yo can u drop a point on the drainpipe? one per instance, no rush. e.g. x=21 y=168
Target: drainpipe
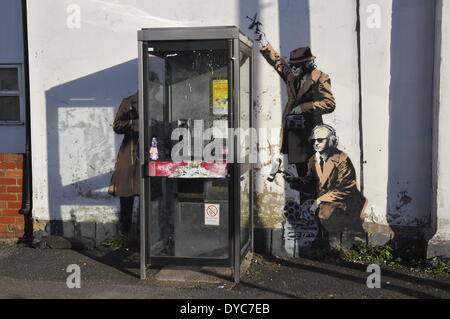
x=360 y=117
x=27 y=182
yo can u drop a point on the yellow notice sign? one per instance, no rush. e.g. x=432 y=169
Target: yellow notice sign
x=220 y=96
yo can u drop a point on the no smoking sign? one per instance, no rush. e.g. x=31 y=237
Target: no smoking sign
x=212 y=214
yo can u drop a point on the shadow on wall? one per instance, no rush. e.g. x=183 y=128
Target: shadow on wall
x=294 y=32
x=82 y=149
x=411 y=115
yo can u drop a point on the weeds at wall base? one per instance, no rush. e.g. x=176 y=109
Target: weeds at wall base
x=115 y=242
x=410 y=257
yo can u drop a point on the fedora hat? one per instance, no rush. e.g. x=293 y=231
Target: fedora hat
x=301 y=55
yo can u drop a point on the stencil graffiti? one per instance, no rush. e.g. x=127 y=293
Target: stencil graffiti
x=300 y=226
x=325 y=177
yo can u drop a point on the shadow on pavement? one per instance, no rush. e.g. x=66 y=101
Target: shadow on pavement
x=254 y=286
x=361 y=267
x=125 y=261
x=120 y=259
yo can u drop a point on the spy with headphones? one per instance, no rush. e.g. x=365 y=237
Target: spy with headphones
x=338 y=202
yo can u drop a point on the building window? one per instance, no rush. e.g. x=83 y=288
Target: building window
x=11 y=95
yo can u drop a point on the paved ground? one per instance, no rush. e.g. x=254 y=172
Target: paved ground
x=41 y=273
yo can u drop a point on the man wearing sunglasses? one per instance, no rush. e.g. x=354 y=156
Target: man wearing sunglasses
x=309 y=97
x=339 y=204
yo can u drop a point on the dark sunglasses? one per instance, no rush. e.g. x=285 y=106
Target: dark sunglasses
x=320 y=140
x=297 y=66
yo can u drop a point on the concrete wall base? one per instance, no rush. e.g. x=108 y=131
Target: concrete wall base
x=77 y=235
x=438 y=248
x=270 y=241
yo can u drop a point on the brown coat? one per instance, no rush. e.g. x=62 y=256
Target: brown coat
x=314 y=97
x=342 y=204
x=125 y=179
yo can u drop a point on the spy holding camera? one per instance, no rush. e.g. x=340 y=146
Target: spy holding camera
x=309 y=97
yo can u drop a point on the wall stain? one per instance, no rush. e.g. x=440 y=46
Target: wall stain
x=268 y=208
x=404 y=199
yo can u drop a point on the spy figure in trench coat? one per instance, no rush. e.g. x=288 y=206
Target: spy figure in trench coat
x=309 y=97
x=338 y=202
x=125 y=179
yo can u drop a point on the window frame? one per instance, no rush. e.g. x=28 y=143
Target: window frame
x=20 y=93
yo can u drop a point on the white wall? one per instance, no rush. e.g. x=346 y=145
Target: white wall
x=397 y=79
x=334 y=40
x=442 y=218
x=375 y=75
x=79 y=75
x=11 y=52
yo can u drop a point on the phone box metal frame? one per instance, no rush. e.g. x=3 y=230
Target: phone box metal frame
x=236 y=45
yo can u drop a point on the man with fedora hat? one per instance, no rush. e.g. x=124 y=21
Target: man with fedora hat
x=309 y=97
x=125 y=180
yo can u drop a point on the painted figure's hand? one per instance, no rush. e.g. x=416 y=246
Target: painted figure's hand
x=290 y=179
x=261 y=38
x=314 y=206
x=296 y=110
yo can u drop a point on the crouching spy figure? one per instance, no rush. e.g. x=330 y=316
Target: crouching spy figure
x=338 y=204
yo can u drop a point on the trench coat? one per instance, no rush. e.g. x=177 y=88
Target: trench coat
x=342 y=204
x=125 y=179
x=315 y=98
